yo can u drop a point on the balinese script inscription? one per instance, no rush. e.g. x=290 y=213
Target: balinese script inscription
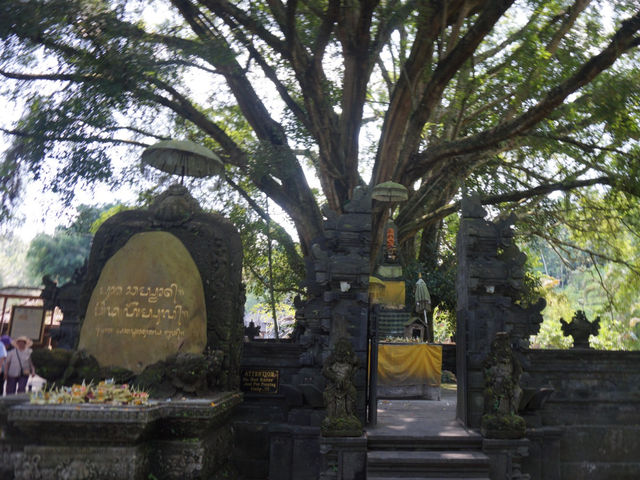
x=150 y=294
x=259 y=380
x=142 y=332
x=148 y=304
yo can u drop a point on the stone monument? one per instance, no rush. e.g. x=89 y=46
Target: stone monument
x=161 y=309
x=165 y=282
x=143 y=310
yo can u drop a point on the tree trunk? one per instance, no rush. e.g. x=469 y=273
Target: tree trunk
x=430 y=246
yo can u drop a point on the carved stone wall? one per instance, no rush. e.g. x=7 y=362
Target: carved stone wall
x=278 y=434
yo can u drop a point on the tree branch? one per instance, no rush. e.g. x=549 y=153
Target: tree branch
x=57 y=77
x=520 y=125
x=588 y=251
x=182 y=106
x=411 y=228
x=281 y=234
x=71 y=138
x=444 y=72
x=587 y=147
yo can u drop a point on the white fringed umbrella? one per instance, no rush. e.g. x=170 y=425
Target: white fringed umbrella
x=183 y=157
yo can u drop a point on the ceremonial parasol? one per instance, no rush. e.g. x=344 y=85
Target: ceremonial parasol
x=390 y=192
x=183 y=157
x=423 y=300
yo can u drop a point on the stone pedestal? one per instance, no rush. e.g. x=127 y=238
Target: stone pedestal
x=188 y=439
x=506 y=458
x=543 y=461
x=343 y=458
x=293 y=454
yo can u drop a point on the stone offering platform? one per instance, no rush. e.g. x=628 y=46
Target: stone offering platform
x=183 y=439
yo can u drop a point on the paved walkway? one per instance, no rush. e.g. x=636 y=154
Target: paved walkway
x=416 y=439
x=419 y=418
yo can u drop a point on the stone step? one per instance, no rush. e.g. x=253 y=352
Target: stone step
x=422 y=477
x=471 y=441
x=427 y=464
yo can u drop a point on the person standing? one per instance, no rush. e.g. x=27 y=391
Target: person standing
x=3 y=358
x=19 y=365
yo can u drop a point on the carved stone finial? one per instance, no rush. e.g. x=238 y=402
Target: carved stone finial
x=251 y=331
x=580 y=329
x=472 y=206
x=174 y=206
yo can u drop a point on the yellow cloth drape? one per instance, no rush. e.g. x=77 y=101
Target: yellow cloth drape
x=410 y=364
x=387 y=292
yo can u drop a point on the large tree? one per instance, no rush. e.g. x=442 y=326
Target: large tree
x=516 y=99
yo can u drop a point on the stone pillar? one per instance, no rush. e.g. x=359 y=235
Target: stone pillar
x=338 y=284
x=543 y=461
x=292 y=454
x=489 y=282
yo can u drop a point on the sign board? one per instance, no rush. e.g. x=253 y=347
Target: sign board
x=28 y=322
x=259 y=380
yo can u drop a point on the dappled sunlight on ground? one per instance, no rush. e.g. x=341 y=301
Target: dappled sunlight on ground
x=419 y=417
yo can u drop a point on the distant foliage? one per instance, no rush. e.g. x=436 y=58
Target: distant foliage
x=550 y=334
x=260 y=314
x=444 y=325
x=60 y=254
x=13 y=263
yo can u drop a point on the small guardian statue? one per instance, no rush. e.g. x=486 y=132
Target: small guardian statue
x=340 y=392
x=502 y=392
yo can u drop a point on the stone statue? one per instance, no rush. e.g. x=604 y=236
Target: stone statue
x=340 y=392
x=580 y=329
x=502 y=392
x=66 y=299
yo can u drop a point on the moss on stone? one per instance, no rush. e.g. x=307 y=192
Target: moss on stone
x=120 y=375
x=503 y=426
x=51 y=364
x=341 y=427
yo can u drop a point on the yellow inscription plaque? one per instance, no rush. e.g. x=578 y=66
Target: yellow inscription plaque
x=259 y=380
x=147 y=305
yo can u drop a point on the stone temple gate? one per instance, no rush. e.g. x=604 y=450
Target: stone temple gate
x=580 y=406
